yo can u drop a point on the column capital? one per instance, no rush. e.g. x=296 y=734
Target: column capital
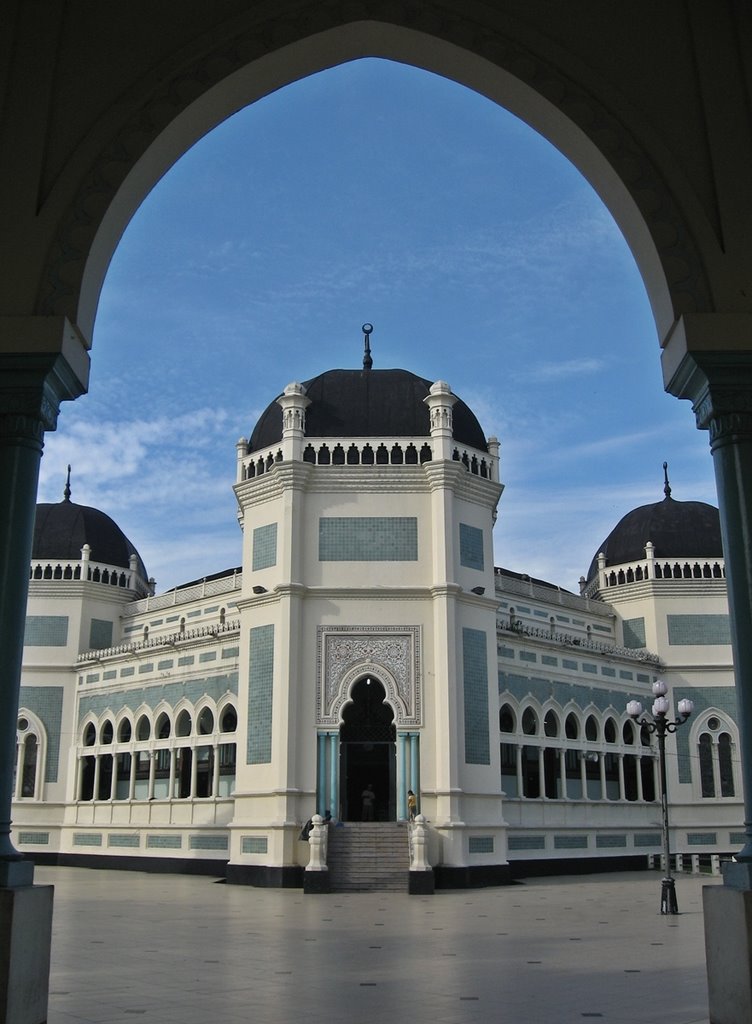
x=707 y=359
x=43 y=361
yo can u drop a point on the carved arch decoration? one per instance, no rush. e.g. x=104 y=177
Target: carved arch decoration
x=392 y=654
x=157 y=121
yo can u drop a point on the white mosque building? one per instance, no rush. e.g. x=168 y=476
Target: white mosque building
x=368 y=640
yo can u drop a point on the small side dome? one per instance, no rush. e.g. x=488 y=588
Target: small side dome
x=677 y=529
x=62 y=529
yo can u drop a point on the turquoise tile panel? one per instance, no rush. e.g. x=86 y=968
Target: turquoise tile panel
x=475 y=690
x=471 y=547
x=368 y=539
x=264 y=546
x=208 y=842
x=570 y=842
x=254 y=844
x=124 y=842
x=526 y=843
x=481 y=844
x=634 y=633
x=87 y=838
x=260 y=694
x=46 y=631
x=686 y=630
x=702 y=839
x=610 y=842
x=34 y=838
x=100 y=634
x=651 y=839
x=154 y=842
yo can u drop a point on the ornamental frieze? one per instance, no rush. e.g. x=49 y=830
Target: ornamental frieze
x=389 y=653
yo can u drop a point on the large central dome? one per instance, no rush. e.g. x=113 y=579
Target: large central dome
x=367 y=403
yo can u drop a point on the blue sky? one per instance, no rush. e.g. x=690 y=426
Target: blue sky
x=375 y=192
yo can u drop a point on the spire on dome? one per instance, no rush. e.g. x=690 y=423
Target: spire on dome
x=67 y=491
x=666 y=484
x=367 y=361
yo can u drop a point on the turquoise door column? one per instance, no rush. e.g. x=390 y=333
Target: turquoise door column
x=334 y=775
x=415 y=767
x=42 y=362
x=402 y=783
x=321 y=779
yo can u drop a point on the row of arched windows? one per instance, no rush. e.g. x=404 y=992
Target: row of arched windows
x=187 y=754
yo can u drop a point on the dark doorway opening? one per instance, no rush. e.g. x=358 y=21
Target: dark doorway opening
x=368 y=753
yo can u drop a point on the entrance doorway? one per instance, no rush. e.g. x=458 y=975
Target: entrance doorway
x=368 y=753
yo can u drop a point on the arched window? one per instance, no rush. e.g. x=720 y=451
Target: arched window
x=205 y=722
x=107 y=733
x=143 y=728
x=715 y=746
x=29 y=757
x=124 y=731
x=529 y=722
x=229 y=720
x=90 y=735
x=707 y=779
x=163 y=726
x=572 y=727
x=591 y=728
x=506 y=719
x=609 y=731
x=551 y=724
x=183 y=724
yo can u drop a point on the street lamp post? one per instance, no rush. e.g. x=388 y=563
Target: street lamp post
x=660 y=725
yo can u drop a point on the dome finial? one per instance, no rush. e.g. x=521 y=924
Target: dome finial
x=666 y=484
x=367 y=361
x=67 y=491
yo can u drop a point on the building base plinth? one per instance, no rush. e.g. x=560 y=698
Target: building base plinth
x=265 y=876
x=421 y=883
x=316 y=882
x=728 y=947
x=25 y=940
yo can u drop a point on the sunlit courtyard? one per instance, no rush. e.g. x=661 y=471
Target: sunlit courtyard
x=549 y=951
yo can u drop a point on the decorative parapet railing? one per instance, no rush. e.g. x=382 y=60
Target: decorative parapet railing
x=168 y=640
x=656 y=569
x=184 y=595
x=549 y=595
x=368 y=451
x=583 y=643
x=92 y=572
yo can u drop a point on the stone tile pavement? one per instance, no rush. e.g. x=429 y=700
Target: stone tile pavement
x=129 y=946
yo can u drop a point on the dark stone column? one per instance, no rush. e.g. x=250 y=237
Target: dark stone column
x=43 y=361
x=708 y=359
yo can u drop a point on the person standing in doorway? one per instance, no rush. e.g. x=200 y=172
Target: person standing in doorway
x=368 y=798
x=412 y=805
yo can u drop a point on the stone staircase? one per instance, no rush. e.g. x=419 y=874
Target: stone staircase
x=368 y=856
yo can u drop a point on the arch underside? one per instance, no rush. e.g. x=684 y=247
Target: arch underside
x=161 y=119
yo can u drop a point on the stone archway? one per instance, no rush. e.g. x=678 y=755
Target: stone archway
x=367 y=742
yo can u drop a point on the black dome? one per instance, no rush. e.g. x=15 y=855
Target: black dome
x=367 y=403
x=62 y=529
x=678 y=529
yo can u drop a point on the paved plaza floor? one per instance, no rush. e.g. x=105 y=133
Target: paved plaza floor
x=129 y=946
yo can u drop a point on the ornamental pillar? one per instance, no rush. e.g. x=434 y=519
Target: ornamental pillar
x=43 y=361
x=708 y=360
